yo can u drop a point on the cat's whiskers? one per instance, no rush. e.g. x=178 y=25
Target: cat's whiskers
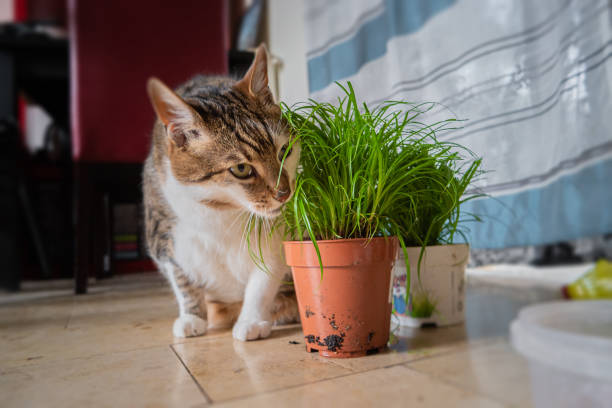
x=266 y=225
x=261 y=221
x=240 y=217
x=246 y=230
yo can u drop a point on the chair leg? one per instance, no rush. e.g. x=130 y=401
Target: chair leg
x=82 y=242
x=34 y=230
x=102 y=234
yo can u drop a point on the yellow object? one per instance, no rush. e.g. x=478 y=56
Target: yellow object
x=595 y=284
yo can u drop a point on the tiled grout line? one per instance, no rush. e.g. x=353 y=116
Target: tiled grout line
x=244 y=397
x=87 y=356
x=206 y=396
x=324 y=361
x=462 y=347
x=488 y=343
x=352 y=372
x=455 y=385
x=51 y=359
x=441 y=354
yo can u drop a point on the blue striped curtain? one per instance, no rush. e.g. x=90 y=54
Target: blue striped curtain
x=532 y=78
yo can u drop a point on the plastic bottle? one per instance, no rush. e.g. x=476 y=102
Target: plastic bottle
x=595 y=284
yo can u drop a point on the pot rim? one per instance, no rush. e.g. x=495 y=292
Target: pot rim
x=440 y=246
x=341 y=241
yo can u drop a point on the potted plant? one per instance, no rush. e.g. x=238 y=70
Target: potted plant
x=431 y=221
x=342 y=224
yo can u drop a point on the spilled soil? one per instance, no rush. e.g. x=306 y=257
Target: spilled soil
x=334 y=342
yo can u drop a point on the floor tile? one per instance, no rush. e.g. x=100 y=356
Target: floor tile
x=228 y=369
x=146 y=378
x=409 y=344
x=36 y=314
x=115 y=347
x=26 y=329
x=87 y=325
x=396 y=386
x=494 y=370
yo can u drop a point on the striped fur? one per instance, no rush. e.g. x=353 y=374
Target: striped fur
x=210 y=133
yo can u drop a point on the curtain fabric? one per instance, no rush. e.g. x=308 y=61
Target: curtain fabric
x=533 y=79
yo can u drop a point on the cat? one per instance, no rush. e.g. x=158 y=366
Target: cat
x=216 y=153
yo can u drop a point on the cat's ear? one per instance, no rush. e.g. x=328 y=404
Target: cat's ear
x=255 y=81
x=180 y=119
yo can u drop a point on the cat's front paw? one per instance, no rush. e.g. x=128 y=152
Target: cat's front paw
x=251 y=330
x=189 y=325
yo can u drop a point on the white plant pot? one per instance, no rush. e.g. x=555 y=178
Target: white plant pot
x=442 y=280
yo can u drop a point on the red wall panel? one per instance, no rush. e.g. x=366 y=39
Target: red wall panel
x=115 y=45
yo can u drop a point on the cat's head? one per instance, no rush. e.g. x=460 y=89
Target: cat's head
x=225 y=141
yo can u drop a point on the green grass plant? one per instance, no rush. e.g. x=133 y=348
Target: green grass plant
x=421 y=305
x=367 y=172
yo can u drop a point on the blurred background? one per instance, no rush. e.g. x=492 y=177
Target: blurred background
x=533 y=80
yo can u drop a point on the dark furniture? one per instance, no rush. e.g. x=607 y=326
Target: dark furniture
x=37 y=66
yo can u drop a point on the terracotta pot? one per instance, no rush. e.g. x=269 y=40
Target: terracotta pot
x=347 y=313
x=442 y=283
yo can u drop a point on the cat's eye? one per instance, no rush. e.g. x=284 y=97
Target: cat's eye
x=283 y=149
x=242 y=171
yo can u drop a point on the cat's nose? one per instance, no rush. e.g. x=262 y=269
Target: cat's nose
x=282 y=195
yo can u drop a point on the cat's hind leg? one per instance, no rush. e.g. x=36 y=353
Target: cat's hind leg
x=192 y=316
x=285 y=308
x=221 y=315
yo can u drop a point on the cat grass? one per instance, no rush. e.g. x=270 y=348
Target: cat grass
x=367 y=172
x=421 y=305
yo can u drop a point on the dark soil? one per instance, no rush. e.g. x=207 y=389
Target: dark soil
x=372 y=351
x=312 y=339
x=333 y=342
x=332 y=321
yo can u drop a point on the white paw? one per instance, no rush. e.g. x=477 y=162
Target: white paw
x=251 y=330
x=189 y=325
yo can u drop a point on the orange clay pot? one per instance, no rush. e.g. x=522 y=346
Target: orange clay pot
x=348 y=312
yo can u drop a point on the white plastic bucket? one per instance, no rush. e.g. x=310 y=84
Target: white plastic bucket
x=569 y=349
x=442 y=280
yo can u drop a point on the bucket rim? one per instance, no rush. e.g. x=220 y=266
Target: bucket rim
x=583 y=354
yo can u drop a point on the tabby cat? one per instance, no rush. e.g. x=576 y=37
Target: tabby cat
x=217 y=147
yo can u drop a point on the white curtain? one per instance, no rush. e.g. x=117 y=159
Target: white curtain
x=532 y=78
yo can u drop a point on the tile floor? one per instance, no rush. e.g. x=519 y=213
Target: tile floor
x=115 y=348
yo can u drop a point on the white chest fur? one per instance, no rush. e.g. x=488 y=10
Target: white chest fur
x=209 y=244
x=210 y=256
